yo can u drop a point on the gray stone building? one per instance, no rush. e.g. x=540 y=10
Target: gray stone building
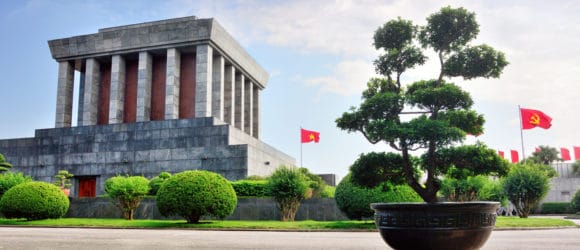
x=169 y=95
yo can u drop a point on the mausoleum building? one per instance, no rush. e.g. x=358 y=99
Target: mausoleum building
x=169 y=95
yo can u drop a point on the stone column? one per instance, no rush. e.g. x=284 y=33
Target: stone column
x=217 y=97
x=248 y=107
x=81 y=100
x=172 y=84
x=91 y=93
x=64 y=94
x=239 y=104
x=229 y=94
x=144 y=73
x=256 y=112
x=203 y=82
x=117 y=96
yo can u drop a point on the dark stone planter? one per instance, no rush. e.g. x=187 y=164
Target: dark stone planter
x=446 y=225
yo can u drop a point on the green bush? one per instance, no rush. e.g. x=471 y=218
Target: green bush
x=576 y=202
x=155 y=182
x=127 y=193
x=556 y=208
x=251 y=188
x=525 y=185
x=193 y=194
x=354 y=201
x=10 y=179
x=315 y=183
x=328 y=192
x=34 y=201
x=288 y=187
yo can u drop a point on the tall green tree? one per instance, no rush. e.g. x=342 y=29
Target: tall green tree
x=429 y=115
x=546 y=155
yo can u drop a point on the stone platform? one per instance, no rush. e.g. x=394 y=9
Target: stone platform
x=142 y=148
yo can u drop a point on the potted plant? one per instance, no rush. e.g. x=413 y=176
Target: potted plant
x=63 y=181
x=428 y=116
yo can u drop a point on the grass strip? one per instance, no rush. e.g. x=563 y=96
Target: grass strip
x=502 y=222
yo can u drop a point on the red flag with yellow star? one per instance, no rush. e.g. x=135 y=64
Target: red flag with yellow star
x=532 y=118
x=309 y=136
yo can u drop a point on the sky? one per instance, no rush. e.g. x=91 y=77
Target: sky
x=319 y=56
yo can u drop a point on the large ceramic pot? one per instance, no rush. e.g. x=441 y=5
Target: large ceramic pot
x=445 y=225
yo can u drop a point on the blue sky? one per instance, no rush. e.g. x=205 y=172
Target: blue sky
x=319 y=55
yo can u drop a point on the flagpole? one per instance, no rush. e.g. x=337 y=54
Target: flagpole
x=301 y=146
x=522 y=132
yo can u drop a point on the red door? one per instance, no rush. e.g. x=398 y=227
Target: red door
x=88 y=187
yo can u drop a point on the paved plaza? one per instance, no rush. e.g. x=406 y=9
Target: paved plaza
x=85 y=238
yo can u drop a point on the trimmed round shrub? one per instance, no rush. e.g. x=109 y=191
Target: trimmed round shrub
x=9 y=180
x=525 y=186
x=193 y=194
x=354 y=201
x=34 y=201
x=251 y=188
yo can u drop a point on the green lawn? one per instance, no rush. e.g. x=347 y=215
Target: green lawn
x=502 y=222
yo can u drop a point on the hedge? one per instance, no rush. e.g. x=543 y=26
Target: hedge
x=251 y=188
x=556 y=208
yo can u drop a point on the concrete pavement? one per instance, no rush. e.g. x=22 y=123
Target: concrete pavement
x=85 y=238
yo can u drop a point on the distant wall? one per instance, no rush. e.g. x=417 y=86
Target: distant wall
x=322 y=209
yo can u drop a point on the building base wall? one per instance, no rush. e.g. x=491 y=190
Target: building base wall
x=143 y=148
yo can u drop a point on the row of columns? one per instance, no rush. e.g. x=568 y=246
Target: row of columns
x=221 y=91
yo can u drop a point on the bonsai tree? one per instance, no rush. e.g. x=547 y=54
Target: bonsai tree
x=428 y=115
x=288 y=187
x=127 y=193
x=4 y=165
x=63 y=179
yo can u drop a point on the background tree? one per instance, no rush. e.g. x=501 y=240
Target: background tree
x=439 y=112
x=546 y=155
x=576 y=167
x=525 y=185
x=288 y=186
x=4 y=165
x=127 y=193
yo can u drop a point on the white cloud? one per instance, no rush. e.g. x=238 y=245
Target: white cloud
x=347 y=78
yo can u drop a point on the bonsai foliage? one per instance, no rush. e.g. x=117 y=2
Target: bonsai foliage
x=288 y=186
x=4 y=165
x=193 y=194
x=34 y=201
x=127 y=192
x=354 y=200
x=157 y=181
x=427 y=115
x=63 y=179
x=546 y=155
x=525 y=186
x=10 y=179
